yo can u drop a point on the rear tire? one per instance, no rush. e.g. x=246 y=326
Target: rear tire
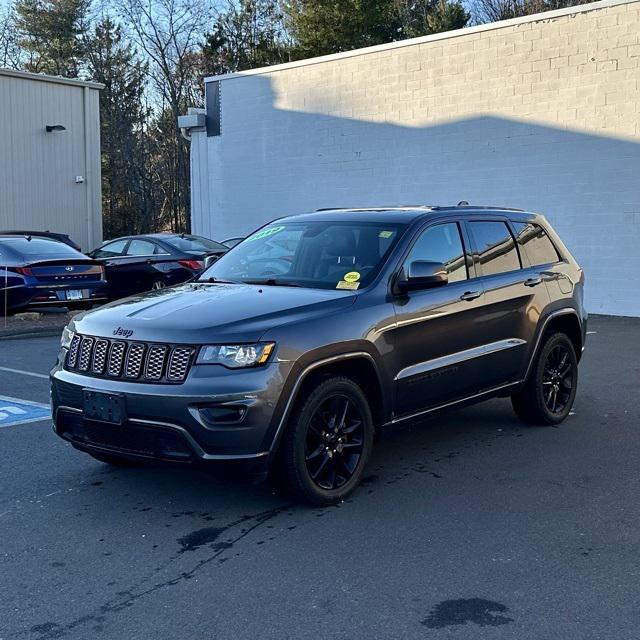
x=549 y=392
x=328 y=442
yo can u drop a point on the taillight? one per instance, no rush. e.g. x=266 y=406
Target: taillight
x=25 y=271
x=194 y=265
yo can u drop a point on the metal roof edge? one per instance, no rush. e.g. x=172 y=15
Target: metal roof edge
x=28 y=75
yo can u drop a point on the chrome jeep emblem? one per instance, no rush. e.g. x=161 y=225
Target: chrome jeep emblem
x=125 y=333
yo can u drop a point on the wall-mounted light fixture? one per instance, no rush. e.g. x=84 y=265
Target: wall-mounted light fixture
x=55 y=127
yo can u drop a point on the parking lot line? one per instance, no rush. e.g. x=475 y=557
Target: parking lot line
x=14 y=411
x=25 y=373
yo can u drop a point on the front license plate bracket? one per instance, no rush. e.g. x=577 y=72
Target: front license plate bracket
x=104 y=406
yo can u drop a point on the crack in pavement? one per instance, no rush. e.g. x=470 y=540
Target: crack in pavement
x=53 y=630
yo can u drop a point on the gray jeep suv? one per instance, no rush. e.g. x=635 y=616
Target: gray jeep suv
x=301 y=341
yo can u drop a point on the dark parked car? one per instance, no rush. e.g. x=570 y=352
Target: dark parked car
x=232 y=242
x=43 y=272
x=141 y=263
x=382 y=315
x=62 y=237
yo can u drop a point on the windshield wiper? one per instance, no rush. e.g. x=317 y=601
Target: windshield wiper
x=213 y=280
x=272 y=282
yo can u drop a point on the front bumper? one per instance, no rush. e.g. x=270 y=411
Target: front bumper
x=173 y=423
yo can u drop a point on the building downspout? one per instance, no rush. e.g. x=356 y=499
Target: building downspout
x=88 y=177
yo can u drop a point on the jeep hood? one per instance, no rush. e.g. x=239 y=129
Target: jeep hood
x=200 y=313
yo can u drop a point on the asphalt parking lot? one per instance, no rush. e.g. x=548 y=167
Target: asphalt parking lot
x=470 y=525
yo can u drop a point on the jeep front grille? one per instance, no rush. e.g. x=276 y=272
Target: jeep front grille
x=116 y=358
x=100 y=356
x=131 y=361
x=154 y=367
x=179 y=363
x=86 y=348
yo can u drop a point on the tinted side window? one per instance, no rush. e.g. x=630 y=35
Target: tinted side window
x=536 y=243
x=141 y=248
x=111 y=249
x=442 y=243
x=496 y=247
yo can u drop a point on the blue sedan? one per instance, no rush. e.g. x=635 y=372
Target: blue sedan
x=37 y=272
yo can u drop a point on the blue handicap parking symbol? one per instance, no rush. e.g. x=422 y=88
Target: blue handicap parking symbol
x=14 y=411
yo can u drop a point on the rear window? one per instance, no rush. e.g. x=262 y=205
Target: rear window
x=40 y=248
x=537 y=244
x=495 y=246
x=139 y=247
x=194 y=244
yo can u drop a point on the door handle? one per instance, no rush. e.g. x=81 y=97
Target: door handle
x=532 y=282
x=470 y=295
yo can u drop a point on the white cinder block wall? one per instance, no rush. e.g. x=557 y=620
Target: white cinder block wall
x=541 y=113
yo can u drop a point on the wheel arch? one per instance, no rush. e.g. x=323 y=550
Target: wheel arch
x=564 y=320
x=359 y=366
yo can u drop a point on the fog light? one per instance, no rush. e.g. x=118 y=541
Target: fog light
x=223 y=414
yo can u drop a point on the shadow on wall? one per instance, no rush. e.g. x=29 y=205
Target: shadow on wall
x=271 y=161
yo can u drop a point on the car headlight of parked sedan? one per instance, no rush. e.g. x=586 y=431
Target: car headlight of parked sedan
x=236 y=356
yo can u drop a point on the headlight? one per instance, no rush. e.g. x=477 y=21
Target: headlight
x=66 y=338
x=237 y=355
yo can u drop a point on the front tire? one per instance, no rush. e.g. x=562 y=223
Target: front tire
x=328 y=442
x=549 y=392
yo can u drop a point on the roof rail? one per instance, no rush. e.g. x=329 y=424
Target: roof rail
x=433 y=207
x=379 y=206
x=474 y=206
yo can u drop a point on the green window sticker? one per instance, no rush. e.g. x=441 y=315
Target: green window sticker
x=385 y=234
x=265 y=233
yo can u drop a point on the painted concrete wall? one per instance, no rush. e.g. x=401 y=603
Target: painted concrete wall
x=541 y=113
x=38 y=170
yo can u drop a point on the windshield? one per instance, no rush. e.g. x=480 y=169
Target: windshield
x=317 y=254
x=194 y=244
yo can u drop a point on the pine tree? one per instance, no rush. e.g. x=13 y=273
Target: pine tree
x=50 y=33
x=127 y=202
x=247 y=35
x=328 y=26
x=321 y=27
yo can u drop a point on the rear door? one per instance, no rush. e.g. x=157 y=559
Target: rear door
x=147 y=264
x=514 y=298
x=436 y=332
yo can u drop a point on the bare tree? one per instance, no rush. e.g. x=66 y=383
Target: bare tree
x=170 y=32
x=494 y=10
x=10 y=50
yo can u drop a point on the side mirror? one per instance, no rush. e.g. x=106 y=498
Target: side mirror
x=424 y=275
x=209 y=260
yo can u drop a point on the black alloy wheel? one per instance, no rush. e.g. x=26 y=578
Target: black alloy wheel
x=548 y=393
x=334 y=442
x=557 y=379
x=328 y=442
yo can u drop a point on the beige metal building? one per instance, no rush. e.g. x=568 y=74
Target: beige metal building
x=50 y=156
